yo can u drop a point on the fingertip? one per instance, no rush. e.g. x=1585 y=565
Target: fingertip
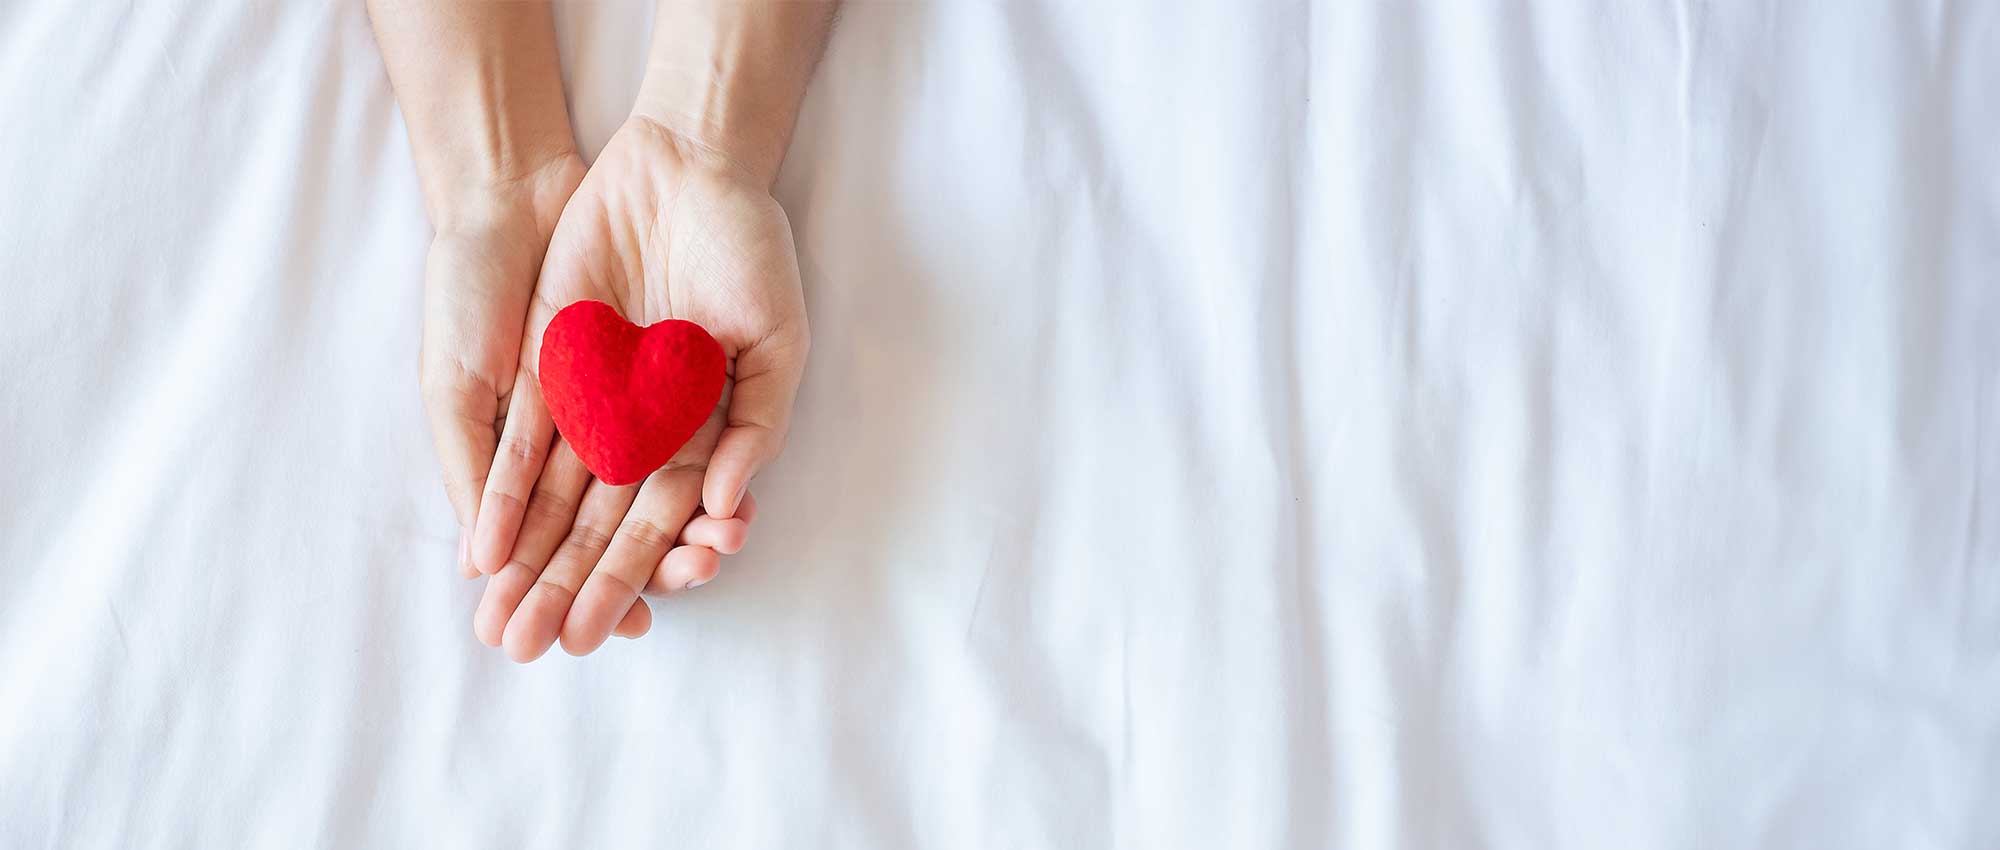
x=493 y=536
x=731 y=537
x=522 y=653
x=725 y=536
x=705 y=569
x=504 y=594
x=514 y=639
x=489 y=622
x=584 y=628
x=483 y=627
x=527 y=636
x=637 y=622
x=686 y=568
x=722 y=492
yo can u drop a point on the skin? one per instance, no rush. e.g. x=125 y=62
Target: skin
x=675 y=219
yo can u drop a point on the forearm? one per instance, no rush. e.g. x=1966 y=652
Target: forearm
x=726 y=76
x=480 y=86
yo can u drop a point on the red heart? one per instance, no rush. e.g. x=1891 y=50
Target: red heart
x=625 y=397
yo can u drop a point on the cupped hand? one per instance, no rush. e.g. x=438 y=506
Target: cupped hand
x=479 y=276
x=660 y=228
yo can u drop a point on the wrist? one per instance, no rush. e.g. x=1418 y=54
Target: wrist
x=725 y=80
x=479 y=198
x=480 y=87
x=712 y=127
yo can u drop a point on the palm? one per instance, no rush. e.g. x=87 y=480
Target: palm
x=658 y=239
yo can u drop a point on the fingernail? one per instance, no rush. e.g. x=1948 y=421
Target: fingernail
x=694 y=583
x=739 y=497
x=463 y=548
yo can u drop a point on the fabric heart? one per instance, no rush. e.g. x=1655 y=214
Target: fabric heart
x=625 y=397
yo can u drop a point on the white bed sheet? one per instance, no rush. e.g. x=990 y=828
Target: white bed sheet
x=1230 y=425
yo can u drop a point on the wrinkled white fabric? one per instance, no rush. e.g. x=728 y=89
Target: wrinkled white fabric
x=1229 y=425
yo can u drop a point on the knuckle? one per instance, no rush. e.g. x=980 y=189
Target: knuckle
x=548 y=506
x=520 y=449
x=623 y=585
x=586 y=539
x=507 y=501
x=645 y=533
x=554 y=593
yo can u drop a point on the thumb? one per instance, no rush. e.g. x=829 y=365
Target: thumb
x=462 y=410
x=760 y=413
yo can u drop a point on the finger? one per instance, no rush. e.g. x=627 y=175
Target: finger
x=548 y=518
x=747 y=509
x=462 y=409
x=638 y=620
x=685 y=568
x=725 y=536
x=665 y=501
x=533 y=627
x=503 y=593
x=522 y=448
x=552 y=508
x=760 y=412
x=550 y=515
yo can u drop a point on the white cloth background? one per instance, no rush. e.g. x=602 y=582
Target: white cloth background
x=1230 y=425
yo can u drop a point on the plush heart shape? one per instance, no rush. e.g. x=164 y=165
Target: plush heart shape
x=625 y=397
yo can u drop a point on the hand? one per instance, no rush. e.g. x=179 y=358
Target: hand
x=478 y=278
x=480 y=88
x=660 y=228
